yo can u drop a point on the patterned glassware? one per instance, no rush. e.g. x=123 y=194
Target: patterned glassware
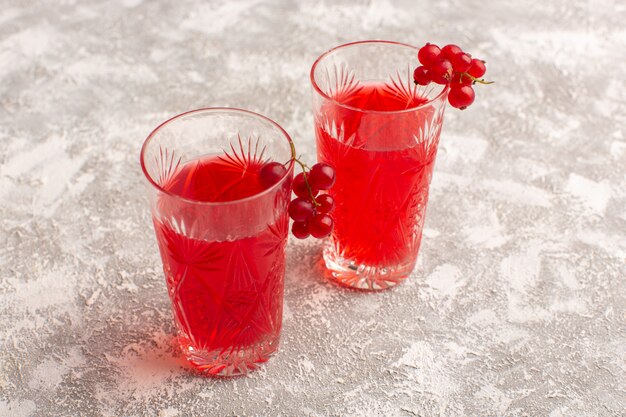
x=380 y=131
x=224 y=261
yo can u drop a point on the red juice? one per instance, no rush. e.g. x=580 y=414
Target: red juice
x=384 y=153
x=226 y=286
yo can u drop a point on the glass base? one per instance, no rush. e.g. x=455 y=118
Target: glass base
x=229 y=362
x=352 y=274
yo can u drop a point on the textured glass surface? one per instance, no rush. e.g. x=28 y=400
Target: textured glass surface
x=381 y=133
x=224 y=262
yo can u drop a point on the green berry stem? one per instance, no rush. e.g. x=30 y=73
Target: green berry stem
x=476 y=80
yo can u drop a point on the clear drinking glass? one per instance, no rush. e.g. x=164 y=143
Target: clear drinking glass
x=380 y=131
x=224 y=259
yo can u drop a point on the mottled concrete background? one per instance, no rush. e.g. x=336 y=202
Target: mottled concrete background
x=518 y=303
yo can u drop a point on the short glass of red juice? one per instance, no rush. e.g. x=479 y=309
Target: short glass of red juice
x=221 y=231
x=380 y=131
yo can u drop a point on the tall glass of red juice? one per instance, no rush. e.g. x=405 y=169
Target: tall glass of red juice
x=221 y=231
x=380 y=131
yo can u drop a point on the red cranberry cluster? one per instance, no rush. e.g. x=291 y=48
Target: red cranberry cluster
x=310 y=210
x=450 y=65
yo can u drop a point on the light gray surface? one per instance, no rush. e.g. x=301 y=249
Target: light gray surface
x=517 y=305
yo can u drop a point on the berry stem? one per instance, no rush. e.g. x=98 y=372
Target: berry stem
x=305 y=168
x=476 y=80
x=293 y=151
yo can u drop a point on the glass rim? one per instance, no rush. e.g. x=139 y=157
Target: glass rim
x=211 y=110
x=317 y=88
